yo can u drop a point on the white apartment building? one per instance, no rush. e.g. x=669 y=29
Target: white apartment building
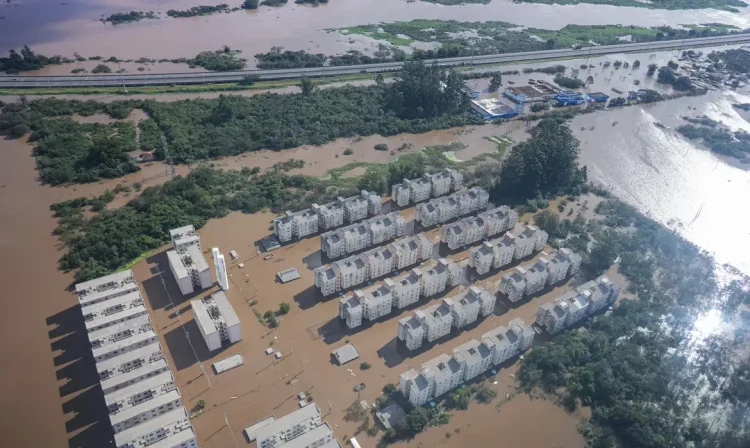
x=217 y=321
x=330 y=215
x=445 y=181
x=504 y=249
x=474 y=356
x=455 y=273
x=400 y=194
x=129 y=361
x=578 y=305
x=105 y=288
x=429 y=185
x=319 y=437
x=499 y=220
x=508 y=342
x=342 y=274
x=354 y=238
x=184 y=237
x=406 y=289
x=137 y=393
x=437 y=320
x=289 y=427
x=325 y=280
x=386 y=228
x=419 y=189
x=115 y=347
x=357 y=208
x=562 y=264
x=113 y=311
x=293 y=226
x=536 y=276
x=465 y=309
x=513 y=284
x=480 y=258
x=147 y=408
x=601 y=292
x=435 y=278
x=410 y=250
x=350 y=310
x=464 y=232
x=411 y=331
x=415 y=386
x=447 y=373
x=169 y=430
x=378 y=301
x=444 y=209
x=380 y=261
x=452 y=235
x=139 y=372
x=359 y=236
x=123 y=330
x=552 y=316
x=190 y=269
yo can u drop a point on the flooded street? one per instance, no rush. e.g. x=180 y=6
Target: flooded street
x=68 y=27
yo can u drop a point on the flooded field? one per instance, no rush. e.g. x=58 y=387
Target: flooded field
x=68 y=27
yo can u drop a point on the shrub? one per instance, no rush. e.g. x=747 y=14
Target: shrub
x=381 y=147
x=101 y=68
x=284 y=308
x=364 y=366
x=348 y=151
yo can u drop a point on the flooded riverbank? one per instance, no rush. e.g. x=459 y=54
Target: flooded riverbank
x=68 y=27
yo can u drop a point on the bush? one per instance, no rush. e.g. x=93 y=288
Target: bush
x=348 y=151
x=364 y=366
x=284 y=308
x=249 y=80
x=381 y=147
x=485 y=394
x=101 y=68
x=250 y=4
x=539 y=107
x=389 y=388
x=570 y=83
x=201 y=404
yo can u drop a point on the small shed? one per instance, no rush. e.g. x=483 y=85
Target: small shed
x=287 y=275
x=346 y=354
x=229 y=363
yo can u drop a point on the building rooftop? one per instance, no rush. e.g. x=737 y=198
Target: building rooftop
x=411 y=278
x=438 y=314
x=139 y=387
x=309 y=437
x=187 y=259
x=351 y=264
x=294 y=418
x=287 y=275
x=160 y=364
x=229 y=363
x=173 y=440
x=346 y=353
x=443 y=367
x=391 y=415
x=108 y=285
x=120 y=330
x=144 y=406
x=184 y=235
x=111 y=305
x=473 y=351
x=252 y=429
x=352 y=302
x=151 y=350
x=175 y=421
x=120 y=344
x=411 y=324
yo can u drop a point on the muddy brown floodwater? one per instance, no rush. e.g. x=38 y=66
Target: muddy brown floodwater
x=68 y=27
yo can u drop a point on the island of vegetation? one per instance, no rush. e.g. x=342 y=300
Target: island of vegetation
x=456 y=2
x=199 y=11
x=275 y=3
x=250 y=4
x=26 y=60
x=277 y=58
x=724 y=5
x=718 y=138
x=128 y=17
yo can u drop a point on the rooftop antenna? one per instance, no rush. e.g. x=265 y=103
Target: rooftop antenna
x=167 y=159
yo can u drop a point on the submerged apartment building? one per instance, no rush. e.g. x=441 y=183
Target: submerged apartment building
x=426 y=187
x=186 y=261
x=353 y=238
x=573 y=306
x=297 y=225
x=548 y=270
x=144 y=405
x=350 y=272
x=469 y=360
x=444 y=209
x=217 y=321
x=302 y=428
x=470 y=230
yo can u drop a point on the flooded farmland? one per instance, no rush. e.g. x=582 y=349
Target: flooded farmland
x=68 y=27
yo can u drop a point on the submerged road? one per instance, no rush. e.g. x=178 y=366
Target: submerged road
x=18 y=81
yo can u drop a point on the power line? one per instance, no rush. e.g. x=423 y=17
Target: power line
x=169 y=166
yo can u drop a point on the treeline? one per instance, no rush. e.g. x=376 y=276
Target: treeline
x=26 y=60
x=279 y=59
x=199 y=11
x=128 y=17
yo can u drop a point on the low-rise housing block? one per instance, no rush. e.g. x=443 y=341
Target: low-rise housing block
x=406 y=289
x=442 y=210
x=217 y=321
x=190 y=269
x=474 y=356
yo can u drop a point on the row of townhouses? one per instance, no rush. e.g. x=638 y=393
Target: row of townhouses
x=293 y=226
x=186 y=261
x=444 y=209
x=446 y=372
x=145 y=407
x=572 y=306
x=398 y=293
x=548 y=270
x=475 y=228
x=355 y=270
x=302 y=428
x=499 y=252
x=356 y=237
x=436 y=321
x=426 y=187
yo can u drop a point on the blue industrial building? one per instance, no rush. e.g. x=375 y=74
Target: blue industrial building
x=569 y=97
x=492 y=109
x=597 y=97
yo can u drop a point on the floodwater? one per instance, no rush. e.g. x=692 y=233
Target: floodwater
x=68 y=27
x=671 y=179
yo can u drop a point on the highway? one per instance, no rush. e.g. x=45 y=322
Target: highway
x=20 y=81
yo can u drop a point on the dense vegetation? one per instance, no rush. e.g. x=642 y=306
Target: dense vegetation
x=568 y=83
x=25 y=61
x=502 y=37
x=649 y=381
x=199 y=11
x=725 y=5
x=218 y=61
x=250 y=4
x=735 y=60
x=545 y=165
x=128 y=17
x=667 y=75
x=274 y=2
x=278 y=59
x=718 y=138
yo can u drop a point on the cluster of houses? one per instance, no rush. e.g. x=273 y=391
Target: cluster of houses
x=426 y=187
x=356 y=237
x=355 y=270
x=572 y=306
x=446 y=372
x=475 y=228
x=436 y=321
x=447 y=208
x=399 y=292
x=548 y=270
x=293 y=226
x=499 y=252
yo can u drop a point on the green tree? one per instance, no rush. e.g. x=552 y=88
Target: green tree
x=379 y=79
x=284 y=308
x=651 y=69
x=364 y=366
x=201 y=404
x=250 y=4
x=389 y=388
x=548 y=221
x=604 y=251
x=665 y=76
x=419 y=91
x=307 y=86
x=682 y=83
x=417 y=420
x=495 y=82
x=375 y=179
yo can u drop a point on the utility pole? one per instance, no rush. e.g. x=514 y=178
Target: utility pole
x=167 y=159
x=122 y=78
